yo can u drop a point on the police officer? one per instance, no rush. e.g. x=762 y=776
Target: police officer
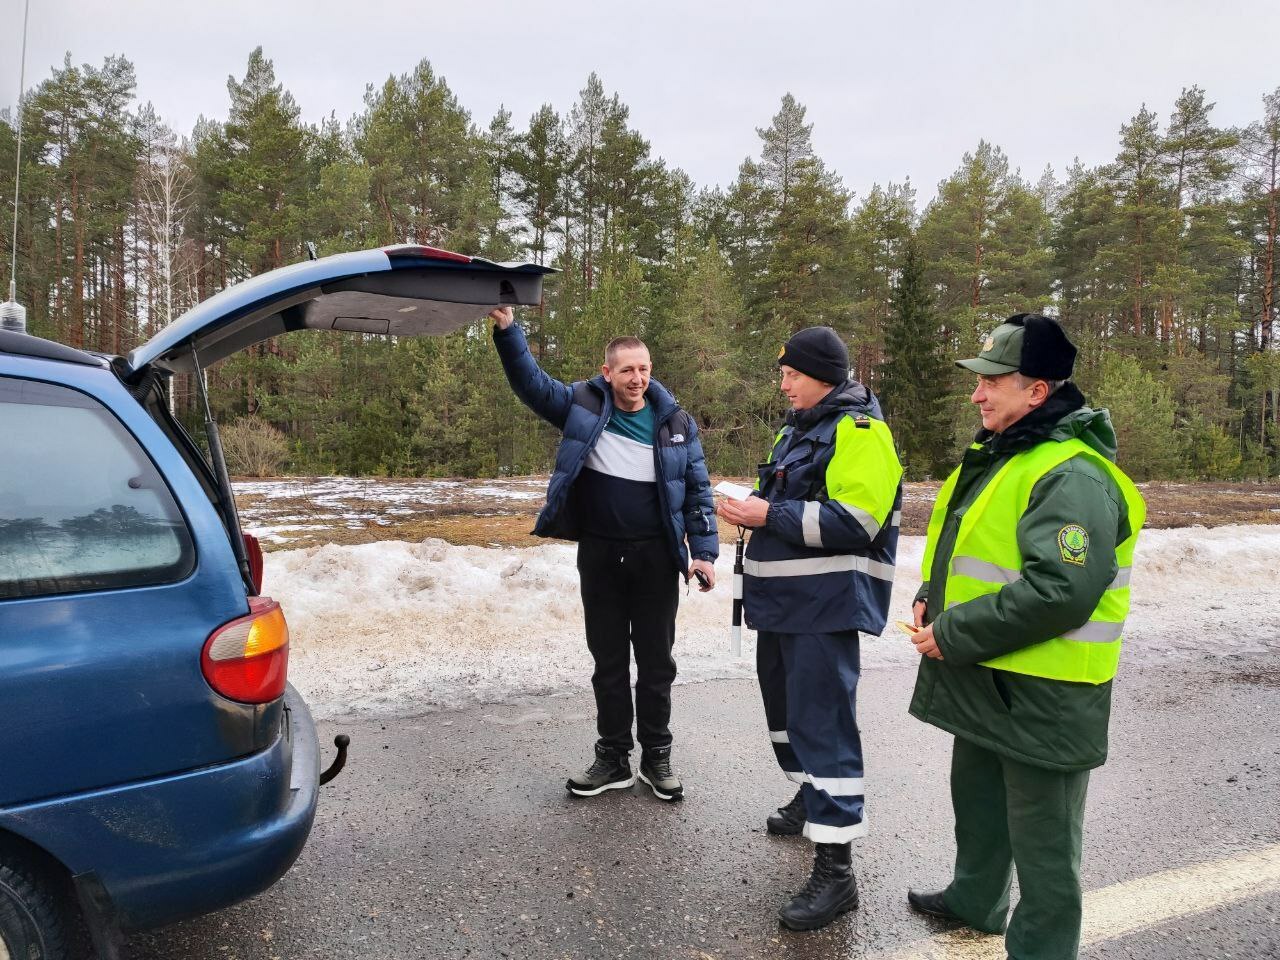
x=819 y=569
x=1026 y=571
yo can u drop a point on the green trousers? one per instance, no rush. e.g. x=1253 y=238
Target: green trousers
x=1011 y=814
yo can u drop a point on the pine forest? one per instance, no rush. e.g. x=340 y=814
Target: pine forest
x=1161 y=264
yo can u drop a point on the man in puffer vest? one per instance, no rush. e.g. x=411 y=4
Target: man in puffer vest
x=1026 y=588
x=818 y=570
x=630 y=485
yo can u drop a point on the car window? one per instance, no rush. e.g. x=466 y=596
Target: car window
x=81 y=506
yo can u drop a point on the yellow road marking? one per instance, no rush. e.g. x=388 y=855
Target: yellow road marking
x=1128 y=907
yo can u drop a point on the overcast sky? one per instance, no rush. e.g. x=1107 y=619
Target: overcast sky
x=892 y=89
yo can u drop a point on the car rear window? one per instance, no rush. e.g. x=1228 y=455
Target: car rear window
x=82 y=507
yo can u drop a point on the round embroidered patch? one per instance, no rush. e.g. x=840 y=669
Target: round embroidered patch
x=1073 y=541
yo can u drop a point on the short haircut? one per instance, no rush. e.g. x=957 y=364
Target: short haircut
x=1026 y=381
x=621 y=343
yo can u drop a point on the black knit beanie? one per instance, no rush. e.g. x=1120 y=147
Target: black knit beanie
x=818 y=352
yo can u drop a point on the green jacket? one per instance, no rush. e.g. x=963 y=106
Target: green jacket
x=1048 y=723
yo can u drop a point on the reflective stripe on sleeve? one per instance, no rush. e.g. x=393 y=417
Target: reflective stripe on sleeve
x=896 y=520
x=810 y=524
x=779 y=736
x=984 y=570
x=868 y=523
x=994 y=573
x=809 y=566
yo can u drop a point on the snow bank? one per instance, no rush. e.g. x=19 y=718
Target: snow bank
x=398 y=627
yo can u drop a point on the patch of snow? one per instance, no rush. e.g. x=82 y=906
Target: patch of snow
x=398 y=627
x=362 y=501
x=509 y=494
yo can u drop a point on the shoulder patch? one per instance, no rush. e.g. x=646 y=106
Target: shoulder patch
x=1073 y=542
x=863 y=423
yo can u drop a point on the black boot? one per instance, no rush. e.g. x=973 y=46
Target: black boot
x=831 y=890
x=789 y=820
x=933 y=903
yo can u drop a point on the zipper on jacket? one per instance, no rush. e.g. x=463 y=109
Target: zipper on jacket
x=662 y=491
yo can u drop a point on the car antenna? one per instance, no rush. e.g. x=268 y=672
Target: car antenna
x=13 y=315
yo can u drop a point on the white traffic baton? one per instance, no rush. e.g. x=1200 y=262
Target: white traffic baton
x=735 y=631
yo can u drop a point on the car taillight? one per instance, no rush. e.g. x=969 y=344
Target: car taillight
x=248 y=658
x=253 y=552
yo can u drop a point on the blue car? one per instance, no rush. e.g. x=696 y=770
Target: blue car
x=155 y=764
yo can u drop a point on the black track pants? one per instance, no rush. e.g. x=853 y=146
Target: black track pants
x=630 y=591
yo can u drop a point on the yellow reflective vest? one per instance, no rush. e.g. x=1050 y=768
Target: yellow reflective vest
x=986 y=557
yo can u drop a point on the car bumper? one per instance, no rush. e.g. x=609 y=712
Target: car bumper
x=186 y=844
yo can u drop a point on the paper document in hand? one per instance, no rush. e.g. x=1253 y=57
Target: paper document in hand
x=734 y=491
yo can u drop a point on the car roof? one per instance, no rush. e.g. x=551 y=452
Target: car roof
x=27 y=345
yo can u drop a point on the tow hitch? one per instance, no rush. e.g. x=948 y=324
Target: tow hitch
x=341 y=741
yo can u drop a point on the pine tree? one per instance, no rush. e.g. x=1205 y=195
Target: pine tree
x=338 y=215
x=1142 y=412
x=787 y=150
x=1144 y=221
x=1197 y=278
x=265 y=187
x=430 y=179
x=805 y=281
x=1259 y=181
x=879 y=229
x=985 y=238
x=1086 y=226
x=539 y=161
x=915 y=379
x=706 y=369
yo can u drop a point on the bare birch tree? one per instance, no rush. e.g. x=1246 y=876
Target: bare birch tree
x=165 y=188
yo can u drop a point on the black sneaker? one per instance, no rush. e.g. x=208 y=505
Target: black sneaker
x=655 y=770
x=789 y=820
x=609 y=771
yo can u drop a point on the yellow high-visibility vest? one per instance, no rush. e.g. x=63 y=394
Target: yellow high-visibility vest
x=986 y=558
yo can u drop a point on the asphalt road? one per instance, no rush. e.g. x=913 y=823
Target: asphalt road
x=450 y=835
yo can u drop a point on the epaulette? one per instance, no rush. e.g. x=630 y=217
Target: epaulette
x=863 y=422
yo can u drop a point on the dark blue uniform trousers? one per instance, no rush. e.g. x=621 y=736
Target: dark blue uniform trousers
x=809 y=682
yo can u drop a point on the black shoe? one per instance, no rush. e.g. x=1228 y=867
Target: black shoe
x=609 y=771
x=655 y=770
x=789 y=820
x=831 y=890
x=932 y=904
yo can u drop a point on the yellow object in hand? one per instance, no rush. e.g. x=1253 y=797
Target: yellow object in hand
x=907 y=628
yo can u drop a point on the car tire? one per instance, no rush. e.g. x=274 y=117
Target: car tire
x=32 y=923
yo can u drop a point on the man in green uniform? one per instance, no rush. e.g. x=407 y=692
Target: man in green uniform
x=1026 y=588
